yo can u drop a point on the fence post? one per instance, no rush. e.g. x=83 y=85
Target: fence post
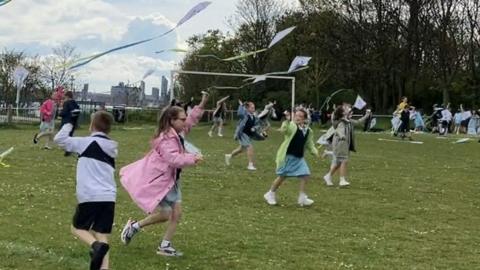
x=9 y=114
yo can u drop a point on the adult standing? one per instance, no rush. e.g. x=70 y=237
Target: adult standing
x=69 y=113
x=47 y=122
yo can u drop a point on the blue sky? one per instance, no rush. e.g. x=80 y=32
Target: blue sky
x=36 y=26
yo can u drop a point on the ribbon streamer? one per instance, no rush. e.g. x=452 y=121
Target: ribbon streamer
x=277 y=38
x=194 y=11
x=4 y=2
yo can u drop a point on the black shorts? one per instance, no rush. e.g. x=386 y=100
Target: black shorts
x=95 y=216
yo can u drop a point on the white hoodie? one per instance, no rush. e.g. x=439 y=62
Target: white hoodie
x=96 y=164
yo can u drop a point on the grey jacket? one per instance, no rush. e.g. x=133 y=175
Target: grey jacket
x=344 y=140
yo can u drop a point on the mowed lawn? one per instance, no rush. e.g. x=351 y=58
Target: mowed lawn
x=410 y=206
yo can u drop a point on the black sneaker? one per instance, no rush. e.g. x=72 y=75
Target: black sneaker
x=67 y=154
x=35 y=139
x=98 y=252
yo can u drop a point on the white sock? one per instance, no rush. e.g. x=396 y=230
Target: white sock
x=302 y=194
x=136 y=226
x=250 y=164
x=342 y=178
x=328 y=175
x=165 y=243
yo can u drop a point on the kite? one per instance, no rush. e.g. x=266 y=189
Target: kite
x=359 y=103
x=195 y=10
x=3 y=155
x=277 y=38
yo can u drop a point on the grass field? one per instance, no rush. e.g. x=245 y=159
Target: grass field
x=409 y=207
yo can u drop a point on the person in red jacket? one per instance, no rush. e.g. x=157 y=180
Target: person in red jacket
x=47 y=124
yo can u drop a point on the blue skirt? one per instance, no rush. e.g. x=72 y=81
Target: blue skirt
x=294 y=167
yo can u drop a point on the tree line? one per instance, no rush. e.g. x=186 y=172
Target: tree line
x=427 y=50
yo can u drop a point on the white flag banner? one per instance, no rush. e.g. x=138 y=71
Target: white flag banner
x=6 y=153
x=359 y=103
x=192 y=149
x=299 y=61
x=194 y=11
x=19 y=75
x=148 y=73
x=373 y=123
x=260 y=78
x=280 y=35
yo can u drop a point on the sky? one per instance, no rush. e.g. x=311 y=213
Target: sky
x=91 y=26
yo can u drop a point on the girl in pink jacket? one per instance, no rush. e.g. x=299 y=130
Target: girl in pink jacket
x=153 y=182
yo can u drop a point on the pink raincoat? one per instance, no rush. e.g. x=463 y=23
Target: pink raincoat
x=149 y=179
x=47 y=110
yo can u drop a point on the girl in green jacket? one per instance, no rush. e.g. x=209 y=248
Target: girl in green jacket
x=290 y=156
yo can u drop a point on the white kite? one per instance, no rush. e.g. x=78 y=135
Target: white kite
x=280 y=35
x=359 y=103
x=3 y=155
x=192 y=149
x=194 y=11
x=19 y=75
x=463 y=140
x=299 y=61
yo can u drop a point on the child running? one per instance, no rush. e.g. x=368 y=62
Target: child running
x=218 y=115
x=244 y=133
x=290 y=156
x=343 y=142
x=153 y=182
x=96 y=188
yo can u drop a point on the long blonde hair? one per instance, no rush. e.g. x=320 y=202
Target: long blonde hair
x=166 y=115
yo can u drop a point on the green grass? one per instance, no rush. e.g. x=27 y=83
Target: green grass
x=409 y=207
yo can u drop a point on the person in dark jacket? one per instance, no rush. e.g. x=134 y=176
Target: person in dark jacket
x=69 y=113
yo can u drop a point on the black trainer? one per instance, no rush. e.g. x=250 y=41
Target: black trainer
x=35 y=139
x=98 y=252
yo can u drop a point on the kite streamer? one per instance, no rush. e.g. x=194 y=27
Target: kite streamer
x=194 y=11
x=242 y=55
x=256 y=79
x=4 y=2
x=277 y=38
x=172 y=50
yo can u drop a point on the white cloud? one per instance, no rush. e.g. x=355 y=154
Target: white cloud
x=51 y=22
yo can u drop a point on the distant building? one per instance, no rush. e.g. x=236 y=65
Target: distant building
x=122 y=94
x=164 y=90
x=84 y=92
x=156 y=93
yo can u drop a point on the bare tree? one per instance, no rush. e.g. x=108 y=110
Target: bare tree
x=255 y=22
x=55 y=70
x=9 y=60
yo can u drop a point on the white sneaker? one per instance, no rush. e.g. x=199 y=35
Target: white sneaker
x=228 y=157
x=343 y=183
x=328 y=180
x=128 y=232
x=220 y=135
x=250 y=167
x=210 y=134
x=270 y=198
x=169 y=251
x=303 y=200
